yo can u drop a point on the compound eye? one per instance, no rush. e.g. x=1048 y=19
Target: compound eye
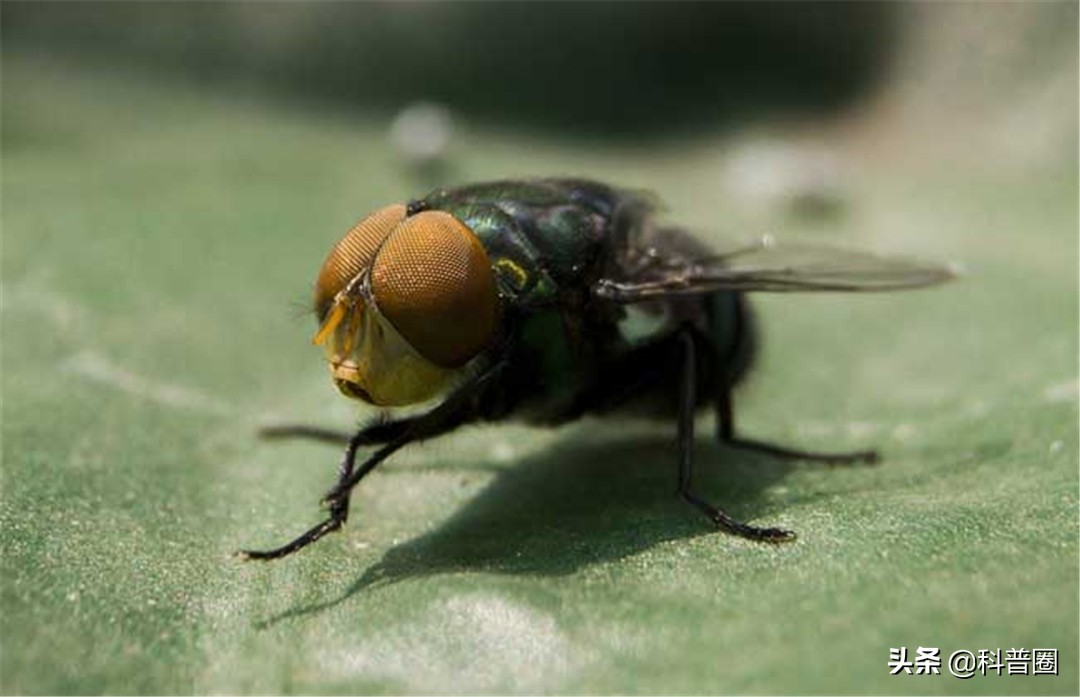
x=433 y=281
x=353 y=253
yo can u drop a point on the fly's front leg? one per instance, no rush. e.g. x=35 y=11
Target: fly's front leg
x=337 y=499
x=687 y=402
x=304 y=432
x=725 y=431
x=379 y=432
x=338 y=504
x=460 y=407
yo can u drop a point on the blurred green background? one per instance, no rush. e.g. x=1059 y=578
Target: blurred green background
x=174 y=173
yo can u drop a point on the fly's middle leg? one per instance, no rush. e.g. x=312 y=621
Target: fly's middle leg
x=687 y=402
x=725 y=432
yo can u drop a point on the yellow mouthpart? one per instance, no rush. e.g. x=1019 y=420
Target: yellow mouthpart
x=370 y=360
x=333 y=319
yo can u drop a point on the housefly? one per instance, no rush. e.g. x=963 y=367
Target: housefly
x=547 y=300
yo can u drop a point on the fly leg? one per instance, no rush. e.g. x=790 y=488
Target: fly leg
x=457 y=409
x=373 y=434
x=687 y=402
x=339 y=505
x=323 y=435
x=725 y=431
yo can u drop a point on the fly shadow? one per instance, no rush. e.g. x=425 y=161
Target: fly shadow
x=577 y=504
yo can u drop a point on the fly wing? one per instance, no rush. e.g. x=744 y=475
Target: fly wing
x=768 y=266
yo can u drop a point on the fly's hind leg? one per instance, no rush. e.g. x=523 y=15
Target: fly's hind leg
x=687 y=401
x=725 y=431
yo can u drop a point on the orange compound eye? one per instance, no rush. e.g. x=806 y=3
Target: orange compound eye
x=353 y=253
x=432 y=280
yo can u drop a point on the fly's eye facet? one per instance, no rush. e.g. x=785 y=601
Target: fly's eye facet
x=353 y=253
x=433 y=281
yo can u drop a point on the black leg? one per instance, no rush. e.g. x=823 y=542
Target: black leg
x=454 y=411
x=725 y=431
x=339 y=507
x=687 y=401
x=324 y=435
x=372 y=434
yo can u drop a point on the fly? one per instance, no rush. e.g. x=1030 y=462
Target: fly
x=547 y=300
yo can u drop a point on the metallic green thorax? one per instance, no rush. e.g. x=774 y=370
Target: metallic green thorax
x=546 y=241
x=549 y=242
x=544 y=237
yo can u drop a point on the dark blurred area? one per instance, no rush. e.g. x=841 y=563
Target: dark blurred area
x=621 y=69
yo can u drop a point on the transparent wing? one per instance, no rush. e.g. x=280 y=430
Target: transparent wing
x=769 y=266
